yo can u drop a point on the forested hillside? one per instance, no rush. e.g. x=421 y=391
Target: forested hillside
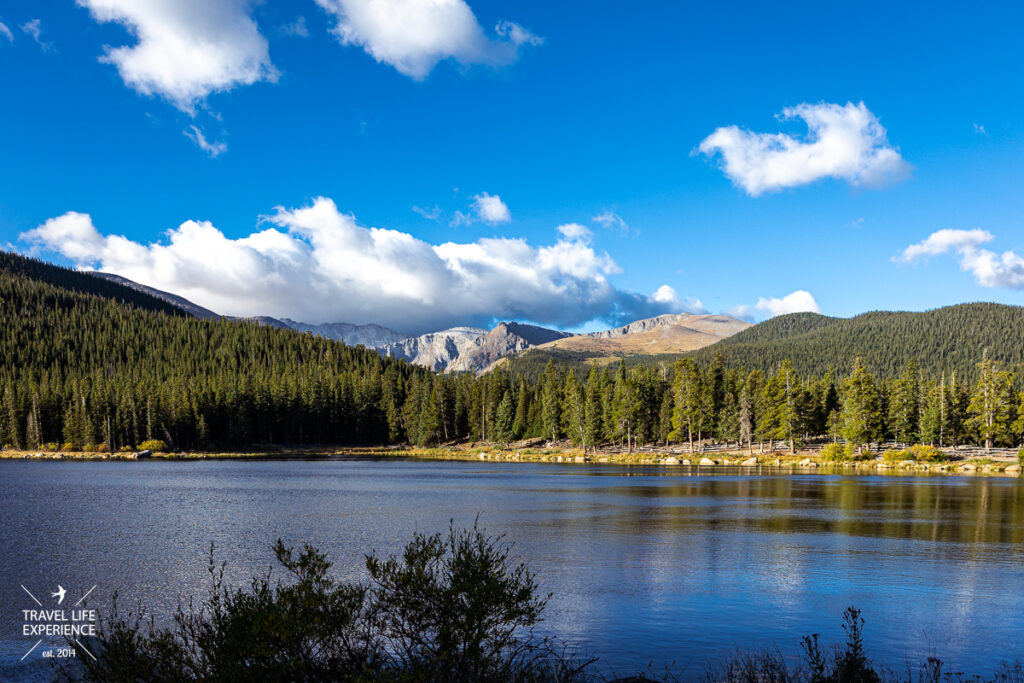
x=94 y=368
x=17 y=267
x=949 y=339
x=87 y=361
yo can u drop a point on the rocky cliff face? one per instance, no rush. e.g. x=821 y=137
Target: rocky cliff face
x=469 y=348
x=503 y=340
x=436 y=350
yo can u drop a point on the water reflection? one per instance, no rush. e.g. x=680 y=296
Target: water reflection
x=647 y=564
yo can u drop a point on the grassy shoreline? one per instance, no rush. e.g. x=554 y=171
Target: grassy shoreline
x=755 y=463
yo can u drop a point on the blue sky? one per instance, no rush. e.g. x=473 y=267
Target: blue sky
x=347 y=114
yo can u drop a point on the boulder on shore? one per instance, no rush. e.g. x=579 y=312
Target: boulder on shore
x=706 y=462
x=807 y=462
x=1013 y=469
x=670 y=461
x=749 y=462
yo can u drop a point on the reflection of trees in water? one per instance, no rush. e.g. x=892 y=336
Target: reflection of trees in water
x=970 y=511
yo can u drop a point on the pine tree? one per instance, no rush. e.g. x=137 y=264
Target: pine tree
x=594 y=426
x=861 y=417
x=521 y=421
x=552 y=402
x=686 y=388
x=904 y=406
x=625 y=406
x=991 y=408
x=781 y=417
x=504 y=420
x=574 y=416
x=958 y=399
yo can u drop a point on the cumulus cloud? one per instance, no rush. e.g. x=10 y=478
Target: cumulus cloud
x=667 y=296
x=414 y=35
x=575 y=231
x=485 y=207
x=317 y=264
x=6 y=32
x=611 y=220
x=989 y=268
x=941 y=241
x=846 y=142
x=185 y=49
x=795 y=302
x=212 y=148
x=491 y=209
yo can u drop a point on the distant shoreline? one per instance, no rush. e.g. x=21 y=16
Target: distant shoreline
x=733 y=461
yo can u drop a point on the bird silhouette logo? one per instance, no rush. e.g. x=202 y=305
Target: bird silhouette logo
x=59 y=594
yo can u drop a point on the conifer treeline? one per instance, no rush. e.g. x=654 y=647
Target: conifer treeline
x=81 y=368
x=945 y=340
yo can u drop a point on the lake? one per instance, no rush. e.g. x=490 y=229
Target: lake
x=647 y=564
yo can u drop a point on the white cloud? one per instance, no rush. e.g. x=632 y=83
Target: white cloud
x=575 y=231
x=989 y=268
x=414 y=35
x=6 y=32
x=318 y=264
x=75 y=233
x=846 y=142
x=186 y=49
x=795 y=302
x=34 y=28
x=941 y=241
x=212 y=148
x=668 y=296
x=491 y=209
x=611 y=220
x=484 y=207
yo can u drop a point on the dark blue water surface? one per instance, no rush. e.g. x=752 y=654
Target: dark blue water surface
x=647 y=564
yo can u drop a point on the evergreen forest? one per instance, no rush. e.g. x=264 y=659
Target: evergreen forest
x=90 y=364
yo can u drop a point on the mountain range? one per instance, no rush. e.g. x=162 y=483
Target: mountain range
x=944 y=341
x=475 y=349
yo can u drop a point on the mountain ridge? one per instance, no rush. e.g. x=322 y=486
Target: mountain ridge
x=941 y=339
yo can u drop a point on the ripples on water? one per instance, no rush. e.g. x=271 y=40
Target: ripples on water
x=647 y=564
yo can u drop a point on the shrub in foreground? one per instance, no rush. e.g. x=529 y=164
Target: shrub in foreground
x=450 y=608
x=155 y=445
